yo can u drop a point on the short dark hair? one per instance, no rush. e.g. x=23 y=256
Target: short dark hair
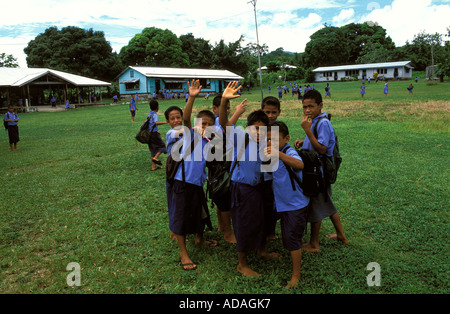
x=257 y=116
x=217 y=100
x=206 y=113
x=170 y=109
x=282 y=128
x=271 y=101
x=154 y=104
x=313 y=94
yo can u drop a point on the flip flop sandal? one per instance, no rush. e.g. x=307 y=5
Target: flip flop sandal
x=156 y=161
x=189 y=264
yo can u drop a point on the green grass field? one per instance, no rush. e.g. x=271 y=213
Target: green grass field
x=80 y=189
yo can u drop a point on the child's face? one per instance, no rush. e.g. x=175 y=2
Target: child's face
x=256 y=132
x=206 y=122
x=175 y=119
x=216 y=110
x=277 y=142
x=272 y=112
x=11 y=109
x=311 y=108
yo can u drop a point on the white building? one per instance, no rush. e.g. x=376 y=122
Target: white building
x=390 y=70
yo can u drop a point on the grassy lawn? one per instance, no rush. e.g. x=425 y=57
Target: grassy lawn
x=80 y=189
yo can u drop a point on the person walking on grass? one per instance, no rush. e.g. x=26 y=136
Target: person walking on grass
x=11 y=121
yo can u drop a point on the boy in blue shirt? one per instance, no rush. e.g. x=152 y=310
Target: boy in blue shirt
x=272 y=108
x=247 y=210
x=156 y=145
x=223 y=204
x=320 y=206
x=188 y=211
x=291 y=203
x=12 y=119
x=133 y=108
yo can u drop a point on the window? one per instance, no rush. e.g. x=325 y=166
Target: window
x=352 y=72
x=205 y=83
x=327 y=74
x=132 y=86
x=382 y=71
x=131 y=74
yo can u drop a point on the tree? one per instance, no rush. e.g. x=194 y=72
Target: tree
x=154 y=47
x=328 y=46
x=74 y=50
x=364 y=39
x=8 y=61
x=199 y=51
x=424 y=50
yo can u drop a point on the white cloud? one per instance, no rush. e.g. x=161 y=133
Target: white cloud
x=406 y=18
x=344 y=17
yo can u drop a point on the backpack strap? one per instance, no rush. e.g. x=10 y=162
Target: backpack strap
x=247 y=141
x=292 y=175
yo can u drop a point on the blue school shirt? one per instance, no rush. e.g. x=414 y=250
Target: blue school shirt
x=286 y=199
x=325 y=133
x=248 y=170
x=195 y=164
x=11 y=116
x=171 y=139
x=153 y=119
x=133 y=105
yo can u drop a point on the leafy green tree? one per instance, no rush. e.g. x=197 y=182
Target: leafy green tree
x=8 y=61
x=365 y=39
x=154 y=47
x=199 y=51
x=74 y=50
x=424 y=50
x=328 y=46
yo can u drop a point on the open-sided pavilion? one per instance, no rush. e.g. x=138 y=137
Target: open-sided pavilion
x=33 y=87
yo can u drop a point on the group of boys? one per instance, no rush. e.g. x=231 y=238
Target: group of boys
x=261 y=166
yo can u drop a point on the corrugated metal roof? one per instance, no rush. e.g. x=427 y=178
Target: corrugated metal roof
x=182 y=73
x=18 y=77
x=364 y=66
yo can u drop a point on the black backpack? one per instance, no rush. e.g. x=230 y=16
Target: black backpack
x=219 y=174
x=144 y=136
x=330 y=164
x=312 y=183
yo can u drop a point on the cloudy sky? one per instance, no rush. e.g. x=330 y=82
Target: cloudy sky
x=282 y=23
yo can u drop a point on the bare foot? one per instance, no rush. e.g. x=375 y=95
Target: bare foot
x=310 y=248
x=268 y=256
x=211 y=243
x=292 y=283
x=230 y=237
x=247 y=271
x=340 y=238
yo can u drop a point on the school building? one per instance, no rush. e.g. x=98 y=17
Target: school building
x=144 y=81
x=30 y=88
x=389 y=70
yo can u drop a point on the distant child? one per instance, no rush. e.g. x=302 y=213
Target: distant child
x=188 y=211
x=363 y=90
x=68 y=104
x=280 y=92
x=386 y=88
x=272 y=108
x=156 y=145
x=327 y=91
x=133 y=108
x=291 y=203
x=247 y=208
x=320 y=206
x=410 y=89
x=12 y=119
x=224 y=204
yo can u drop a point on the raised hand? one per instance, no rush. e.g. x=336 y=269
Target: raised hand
x=231 y=90
x=194 y=88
